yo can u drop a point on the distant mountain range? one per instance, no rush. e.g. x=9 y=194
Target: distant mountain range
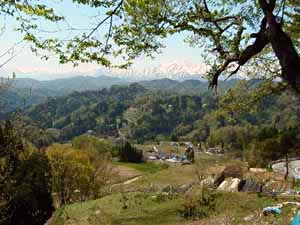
x=175 y=71
x=27 y=92
x=68 y=85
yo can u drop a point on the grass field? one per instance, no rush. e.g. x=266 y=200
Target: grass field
x=143 y=167
x=144 y=209
x=143 y=201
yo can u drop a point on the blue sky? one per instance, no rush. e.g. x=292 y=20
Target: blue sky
x=80 y=16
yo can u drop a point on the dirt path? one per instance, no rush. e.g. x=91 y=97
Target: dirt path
x=132 y=180
x=126 y=176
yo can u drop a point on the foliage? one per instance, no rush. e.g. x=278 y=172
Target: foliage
x=232 y=137
x=225 y=28
x=133 y=110
x=32 y=200
x=272 y=144
x=79 y=112
x=23 y=94
x=91 y=143
x=25 y=182
x=105 y=111
x=93 y=171
x=198 y=206
x=128 y=153
x=140 y=115
x=263 y=152
x=11 y=148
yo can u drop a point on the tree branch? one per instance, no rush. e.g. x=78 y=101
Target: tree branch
x=220 y=70
x=104 y=20
x=259 y=44
x=242 y=58
x=109 y=34
x=282 y=45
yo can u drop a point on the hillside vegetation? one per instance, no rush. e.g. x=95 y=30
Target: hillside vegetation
x=97 y=145
x=26 y=92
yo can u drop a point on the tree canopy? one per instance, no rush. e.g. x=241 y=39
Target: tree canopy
x=255 y=38
x=24 y=181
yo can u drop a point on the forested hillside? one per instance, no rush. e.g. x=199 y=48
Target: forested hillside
x=140 y=114
x=27 y=92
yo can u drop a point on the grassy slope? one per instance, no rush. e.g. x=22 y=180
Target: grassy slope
x=142 y=167
x=143 y=209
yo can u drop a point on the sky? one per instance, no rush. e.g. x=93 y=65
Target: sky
x=27 y=64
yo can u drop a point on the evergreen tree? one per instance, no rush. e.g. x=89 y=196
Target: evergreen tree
x=31 y=203
x=25 y=194
x=128 y=153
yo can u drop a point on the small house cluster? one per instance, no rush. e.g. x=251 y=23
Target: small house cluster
x=185 y=159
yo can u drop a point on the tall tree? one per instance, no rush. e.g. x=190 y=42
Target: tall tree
x=93 y=171
x=24 y=183
x=31 y=203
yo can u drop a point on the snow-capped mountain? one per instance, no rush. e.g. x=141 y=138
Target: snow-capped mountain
x=175 y=71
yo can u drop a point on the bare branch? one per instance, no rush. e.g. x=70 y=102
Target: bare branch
x=104 y=20
x=109 y=34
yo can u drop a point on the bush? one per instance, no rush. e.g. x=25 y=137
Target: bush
x=262 y=152
x=86 y=142
x=232 y=137
x=32 y=200
x=93 y=171
x=25 y=182
x=128 y=153
x=198 y=206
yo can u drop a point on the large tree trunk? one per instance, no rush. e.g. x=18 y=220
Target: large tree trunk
x=284 y=50
x=282 y=45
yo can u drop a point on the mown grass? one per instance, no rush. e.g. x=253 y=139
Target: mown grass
x=143 y=167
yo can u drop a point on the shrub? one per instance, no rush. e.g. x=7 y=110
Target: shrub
x=198 y=206
x=32 y=200
x=24 y=182
x=86 y=142
x=128 y=153
x=92 y=171
x=262 y=152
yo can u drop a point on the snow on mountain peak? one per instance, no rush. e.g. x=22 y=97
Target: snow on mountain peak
x=174 y=70
x=183 y=68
